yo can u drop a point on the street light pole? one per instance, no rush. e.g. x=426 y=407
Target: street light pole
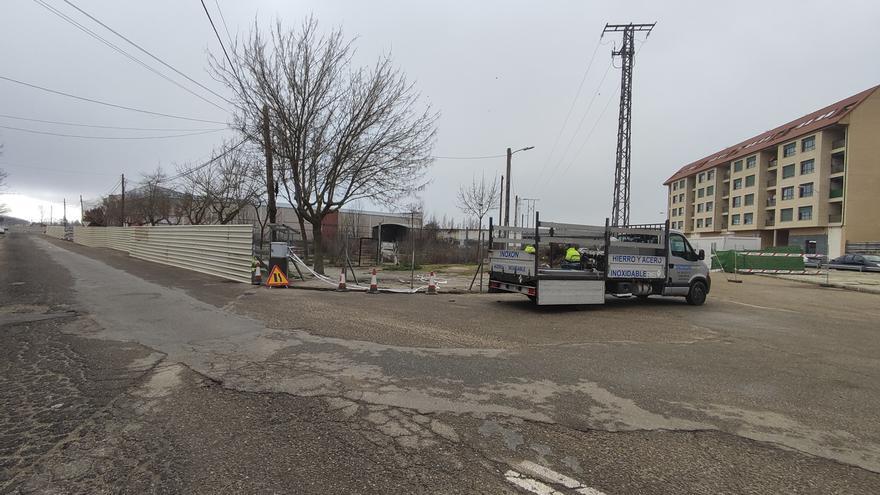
x=507 y=183
x=507 y=190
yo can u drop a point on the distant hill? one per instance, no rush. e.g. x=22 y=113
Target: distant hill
x=5 y=220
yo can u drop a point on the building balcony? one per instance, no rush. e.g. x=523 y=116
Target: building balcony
x=769 y=222
x=838 y=144
x=838 y=165
x=835 y=218
x=771 y=182
x=772 y=163
x=771 y=202
x=835 y=193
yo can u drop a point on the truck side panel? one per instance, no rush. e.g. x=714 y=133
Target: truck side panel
x=551 y=292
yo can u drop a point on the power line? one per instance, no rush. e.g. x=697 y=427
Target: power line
x=559 y=162
x=122 y=52
x=590 y=134
x=216 y=33
x=144 y=50
x=203 y=165
x=467 y=157
x=47 y=133
x=573 y=101
x=113 y=105
x=96 y=126
x=223 y=20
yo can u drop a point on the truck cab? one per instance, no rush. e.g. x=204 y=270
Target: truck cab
x=635 y=260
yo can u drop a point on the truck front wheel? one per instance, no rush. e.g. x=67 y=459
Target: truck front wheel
x=697 y=295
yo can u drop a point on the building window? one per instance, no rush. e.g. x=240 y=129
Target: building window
x=751 y=161
x=788 y=171
x=807 y=167
x=750 y=180
x=681 y=184
x=734 y=220
x=700 y=208
x=708 y=222
x=709 y=206
x=737 y=184
x=805 y=213
x=737 y=201
x=710 y=175
x=808 y=144
x=749 y=218
x=675 y=186
x=681 y=198
x=789 y=149
x=699 y=223
x=749 y=199
x=681 y=211
x=785 y=215
x=701 y=177
x=805 y=190
x=738 y=166
x=787 y=193
x=710 y=190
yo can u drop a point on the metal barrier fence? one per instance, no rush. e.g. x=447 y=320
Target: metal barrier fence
x=56 y=231
x=863 y=247
x=221 y=250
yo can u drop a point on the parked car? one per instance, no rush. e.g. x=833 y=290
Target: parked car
x=815 y=260
x=860 y=262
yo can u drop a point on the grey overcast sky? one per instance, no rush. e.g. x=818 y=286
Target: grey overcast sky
x=502 y=73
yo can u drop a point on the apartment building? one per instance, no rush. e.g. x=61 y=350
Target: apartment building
x=813 y=182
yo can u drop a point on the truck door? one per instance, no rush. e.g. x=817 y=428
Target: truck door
x=681 y=261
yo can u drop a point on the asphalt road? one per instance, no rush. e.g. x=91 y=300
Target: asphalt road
x=204 y=386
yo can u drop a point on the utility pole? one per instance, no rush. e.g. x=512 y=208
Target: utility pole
x=500 y=201
x=507 y=191
x=516 y=211
x=122 y=209
x=82 y=211
x=270 y=173
x=64 y=218
x=507 y=185
x=620 y=208
x=530 y=211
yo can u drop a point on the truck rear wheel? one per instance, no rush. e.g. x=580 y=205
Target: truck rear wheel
x=697 y=295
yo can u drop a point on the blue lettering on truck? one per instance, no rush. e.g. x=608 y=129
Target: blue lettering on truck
x=635 y=259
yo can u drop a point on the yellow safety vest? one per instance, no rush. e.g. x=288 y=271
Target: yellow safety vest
x=529 y=249
x=572 y=255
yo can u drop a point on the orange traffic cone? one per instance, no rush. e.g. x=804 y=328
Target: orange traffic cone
x=432 y=285
x=374 y=284
x=341 y=286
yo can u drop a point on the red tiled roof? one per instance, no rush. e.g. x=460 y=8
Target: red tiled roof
x=798 y=127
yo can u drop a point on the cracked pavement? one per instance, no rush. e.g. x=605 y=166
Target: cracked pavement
x=183 y=383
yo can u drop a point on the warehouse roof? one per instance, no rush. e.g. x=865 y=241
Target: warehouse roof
x=798 y=127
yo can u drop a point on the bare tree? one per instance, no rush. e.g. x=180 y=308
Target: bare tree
x=150 y=200
x=340 y=132
x=477 y=198
x=235 y=182
x=195 y=202
x=222 y=190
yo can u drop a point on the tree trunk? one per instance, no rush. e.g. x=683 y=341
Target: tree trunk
x=305 y=237
x=318 y=251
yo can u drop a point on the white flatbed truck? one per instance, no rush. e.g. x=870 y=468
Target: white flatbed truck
x=637 y=260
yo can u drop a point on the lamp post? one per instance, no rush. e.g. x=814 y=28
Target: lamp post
x=507 y=184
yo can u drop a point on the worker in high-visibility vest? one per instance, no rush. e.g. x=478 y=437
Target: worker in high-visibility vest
x=529 y=249
x=572 y=255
